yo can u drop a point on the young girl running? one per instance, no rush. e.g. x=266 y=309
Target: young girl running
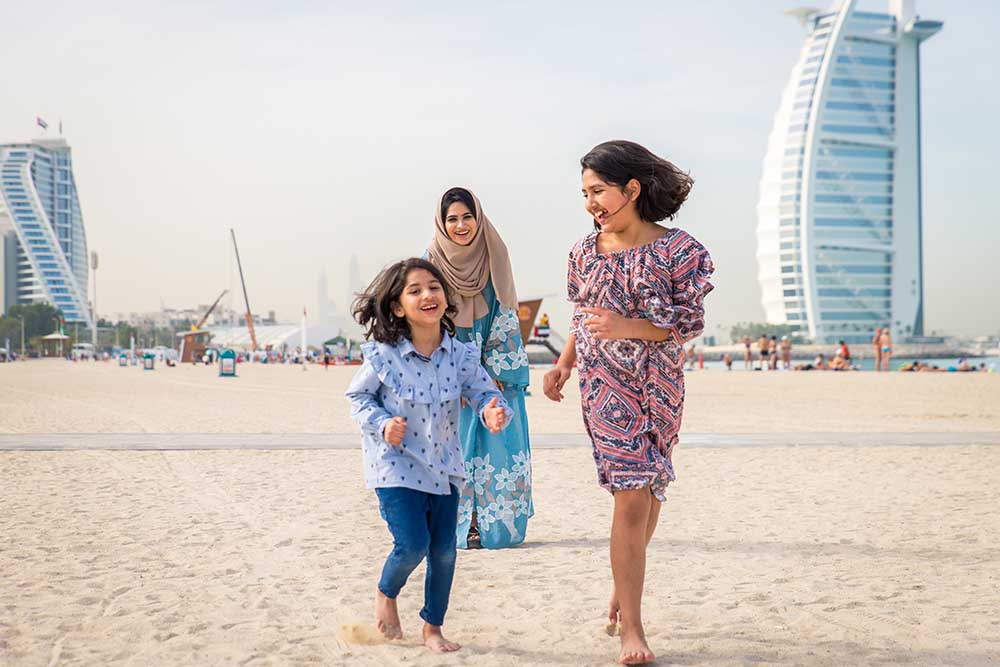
x=638 y=289
x=406 y=399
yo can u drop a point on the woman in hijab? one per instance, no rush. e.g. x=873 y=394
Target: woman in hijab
x=496 y=503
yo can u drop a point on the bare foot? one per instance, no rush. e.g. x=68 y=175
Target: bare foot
x=387 y=616
x=613 y=607
x=635 y=651
x=435 y=641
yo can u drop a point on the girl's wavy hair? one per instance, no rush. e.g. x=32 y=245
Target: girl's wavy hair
x=664 y=186
x=373 y=308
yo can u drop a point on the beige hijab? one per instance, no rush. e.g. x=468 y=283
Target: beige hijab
x=468 y=268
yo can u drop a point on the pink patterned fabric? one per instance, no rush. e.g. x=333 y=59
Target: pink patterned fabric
x=633 y=390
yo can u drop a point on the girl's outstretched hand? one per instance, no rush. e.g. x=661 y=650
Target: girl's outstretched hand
x=553 y=382
x=606 y=324
x=495 y=417
x=395 y=431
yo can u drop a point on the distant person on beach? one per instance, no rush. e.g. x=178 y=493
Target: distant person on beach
x=877 y=348
x=691 y=357
x=747 y=354
x=786 y=353
x=885 y=347
x=467 y=249
x=405 y=397
x=727 y=359
x=839 y=363
x=763 y=347
x=638 y=290
x=845 y=351
x=772 y=353
x=921 y=367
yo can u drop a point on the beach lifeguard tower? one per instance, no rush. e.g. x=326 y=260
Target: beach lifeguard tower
x=527 y=312
x=192 y=345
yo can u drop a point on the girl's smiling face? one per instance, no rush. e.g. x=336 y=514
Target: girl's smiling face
x=423 y=301
x=460 y=223
x=611 y=206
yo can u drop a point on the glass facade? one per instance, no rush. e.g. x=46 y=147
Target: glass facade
x=39 y=205
x=828 y=217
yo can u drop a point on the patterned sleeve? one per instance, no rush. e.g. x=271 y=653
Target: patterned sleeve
x=677 y=303
x=366 y=408
x=574 y=282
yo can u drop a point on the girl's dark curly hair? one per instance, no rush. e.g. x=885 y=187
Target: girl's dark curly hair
x=373 y=307
x=664 y=186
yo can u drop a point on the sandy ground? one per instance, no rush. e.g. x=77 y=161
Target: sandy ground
x=799 y=556
x=63 y=397
x=764 y=555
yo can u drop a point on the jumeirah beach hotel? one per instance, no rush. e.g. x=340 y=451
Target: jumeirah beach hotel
x=43 y=247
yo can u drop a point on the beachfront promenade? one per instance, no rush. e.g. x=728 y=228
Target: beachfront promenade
x=174 y=517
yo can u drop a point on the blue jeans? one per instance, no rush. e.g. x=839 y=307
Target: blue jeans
x=422 y=525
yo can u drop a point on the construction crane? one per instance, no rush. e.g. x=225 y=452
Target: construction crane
x=249 y=315
x=204 y=318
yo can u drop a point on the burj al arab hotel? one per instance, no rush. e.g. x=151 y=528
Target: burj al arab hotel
x=839 y=240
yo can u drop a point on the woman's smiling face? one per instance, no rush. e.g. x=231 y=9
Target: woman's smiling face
x=460 y=223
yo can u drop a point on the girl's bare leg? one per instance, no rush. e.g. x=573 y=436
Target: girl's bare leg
x=613 y=606
x=628 y=567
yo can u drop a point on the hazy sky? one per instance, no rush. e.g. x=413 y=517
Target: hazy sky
x=318 y=129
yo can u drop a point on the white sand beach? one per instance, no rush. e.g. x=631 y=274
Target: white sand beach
x=55 y=396
x=808 y=555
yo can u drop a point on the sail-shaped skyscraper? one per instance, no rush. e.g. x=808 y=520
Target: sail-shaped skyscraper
x=43 y=245
x=839 y=218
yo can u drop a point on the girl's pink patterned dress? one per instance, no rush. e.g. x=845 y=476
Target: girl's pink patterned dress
x=633 y=390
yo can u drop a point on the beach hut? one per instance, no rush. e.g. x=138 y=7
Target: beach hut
x=54 y=344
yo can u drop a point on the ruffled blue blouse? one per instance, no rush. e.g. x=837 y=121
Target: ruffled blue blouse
x=397 y=381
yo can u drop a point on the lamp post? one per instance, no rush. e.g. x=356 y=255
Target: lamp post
x=21 y=320
x=93 y=314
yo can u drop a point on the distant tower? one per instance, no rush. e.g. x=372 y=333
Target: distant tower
x=839 y=221
x=323 y=297
x=353 y=280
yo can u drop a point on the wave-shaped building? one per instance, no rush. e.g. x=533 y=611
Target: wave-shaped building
x=43 y=246
x=839 y=217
